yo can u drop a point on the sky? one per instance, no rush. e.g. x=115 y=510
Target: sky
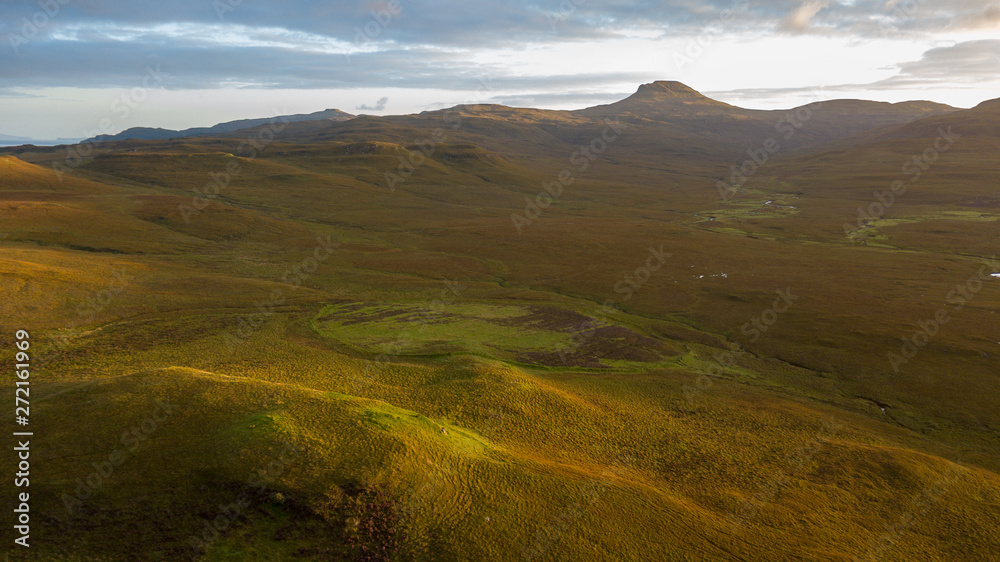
x=75 y=68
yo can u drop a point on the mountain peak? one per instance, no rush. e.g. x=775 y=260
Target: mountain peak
x=667 y=89
x=672 y=94
x=662 y=98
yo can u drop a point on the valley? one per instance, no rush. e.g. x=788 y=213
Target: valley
x=666 y=328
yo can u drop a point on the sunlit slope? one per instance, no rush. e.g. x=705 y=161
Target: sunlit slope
x=477 y=460
x=662 y=119
x=449 y=220
x=17 y=175
x=585 y=386
x=452 y=218
x=929 y=185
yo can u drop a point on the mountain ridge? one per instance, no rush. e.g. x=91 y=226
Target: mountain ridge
x=660 y=100
x=157 y=133
x=588 y=269
x=662 y=117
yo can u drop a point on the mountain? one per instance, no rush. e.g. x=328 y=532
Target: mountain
x=147 y=133
x=983 y=120
x=929 y=183
x=495 y=333
x=662 y=99
x=677 y=104
x=662 y=117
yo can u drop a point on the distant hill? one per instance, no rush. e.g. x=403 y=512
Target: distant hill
x=669 y=113
x=980 y=121
x=12 y=140
x=148 y=133
x=677 y=104
x=664 y=118
x=495 y=333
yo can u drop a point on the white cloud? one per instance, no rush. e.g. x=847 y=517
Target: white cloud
x=762 y=52
x=801 y=18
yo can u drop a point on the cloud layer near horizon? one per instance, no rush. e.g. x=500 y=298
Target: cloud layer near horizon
x=531 y=52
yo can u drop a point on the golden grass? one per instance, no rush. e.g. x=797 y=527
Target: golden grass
x=483 y=456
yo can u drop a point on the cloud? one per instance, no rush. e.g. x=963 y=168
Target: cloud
x=565 y=99
x=969 y=61
x=379 y=105
x=15 y=93
x=510 y=23
x=442 y=23
x=966 y=63
x=989 y=18
x=441 y=45
x=104 y=63
x=801 y=18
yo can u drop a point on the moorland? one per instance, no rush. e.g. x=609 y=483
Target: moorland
x=665 y=328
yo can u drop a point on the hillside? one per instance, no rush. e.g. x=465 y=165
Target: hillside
x=148 y=133
x=441 y=336
x=663 y=118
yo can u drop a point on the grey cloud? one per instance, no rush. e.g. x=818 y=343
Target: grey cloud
x=14 y=93
x=962 y=63
x=379 y=105
x=511 y=23
x=989 y=18
x=905 y=18
x=970 y=60
x=106 y=64
x=761 y=94
x=561 y=98
x=491 y=23
x=424 y=43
